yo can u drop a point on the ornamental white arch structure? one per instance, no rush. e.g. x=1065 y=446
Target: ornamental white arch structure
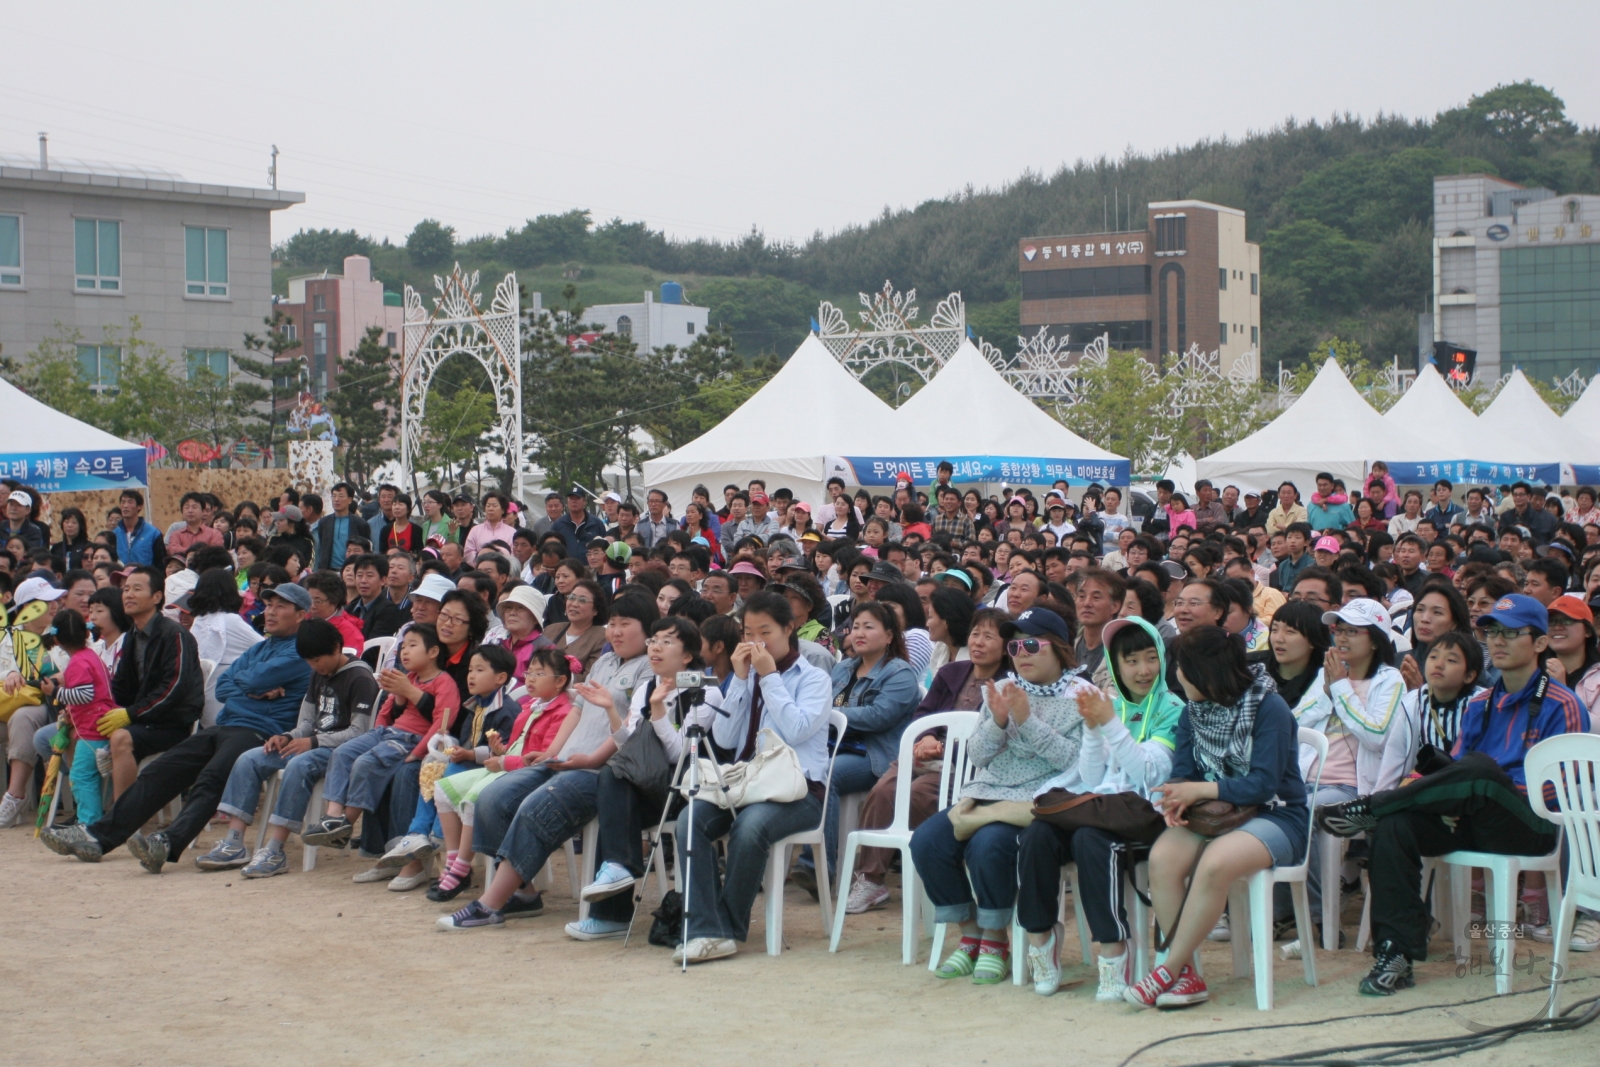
x=459 y=324
x=889 y=332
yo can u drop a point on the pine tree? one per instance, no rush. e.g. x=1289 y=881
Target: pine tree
x=280 y=372
x=366 y=406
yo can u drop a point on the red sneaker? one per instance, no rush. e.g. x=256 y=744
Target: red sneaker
x=1188 y=989
x=1147 y=992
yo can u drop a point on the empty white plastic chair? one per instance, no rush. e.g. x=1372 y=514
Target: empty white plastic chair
x=1571 y=763
x=778 y=858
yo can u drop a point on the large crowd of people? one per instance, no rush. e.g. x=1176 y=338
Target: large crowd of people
x=456 y=676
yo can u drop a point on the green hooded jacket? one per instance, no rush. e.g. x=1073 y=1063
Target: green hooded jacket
x=1122 y=760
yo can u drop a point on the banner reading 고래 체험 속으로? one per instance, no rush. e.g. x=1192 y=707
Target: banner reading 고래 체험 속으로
x=68 y=471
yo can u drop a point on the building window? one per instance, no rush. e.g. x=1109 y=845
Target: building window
x=1172 y=234
x=691 y=329
x=319 y=339
x=290 y=332
x=100 y=365
x=98 y=254
x=1085 y=281
x=1174 y=273
x=1123 y=336
x=319 y=303
x=10 y=250
x=1222 y=278
x=389 y=339
x=1255 y=336
x=214 y=360
x=624 y=326
x=1572 y=211
x=1224 y=333
x=1255 y=285
x=205 y=261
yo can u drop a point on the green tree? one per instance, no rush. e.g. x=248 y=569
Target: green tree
x=548 y=239
x=277 y=372
x=452 y=428
x=324 y=248
x=760 y=314
x=366 y=405
x=431 y=243
x=1120 y=408
x=1321 y=259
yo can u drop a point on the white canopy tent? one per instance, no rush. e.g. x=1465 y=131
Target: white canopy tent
x=1431 y=411
x=973 y=417
x=1329 y=428
x=55 y=453
x=1530 y=434
x=1582 y=420
x=812 y=408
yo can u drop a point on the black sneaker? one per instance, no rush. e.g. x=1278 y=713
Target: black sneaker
x=151 y=851
x=334 y=830
x=74 y=840
x=439 y=896
x=520 y=908
x=1390 y=974
x=1348 y=819
x=806 y=878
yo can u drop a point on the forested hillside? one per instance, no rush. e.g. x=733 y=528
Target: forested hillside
x=1341 y=208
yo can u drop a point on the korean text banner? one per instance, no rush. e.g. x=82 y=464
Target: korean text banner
x=76 y=472
x=1016 y=470
x=1471 y=471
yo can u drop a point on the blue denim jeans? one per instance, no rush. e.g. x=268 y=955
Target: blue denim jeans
x=851 y=774
x=361 y=767
x=255 y=768
x=720 y=906
x=498 y=804
x=547 y=818
x=426 y=819
x=988 y=858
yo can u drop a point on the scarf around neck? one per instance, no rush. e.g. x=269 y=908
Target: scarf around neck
x=757 y=705
x=1223 y=736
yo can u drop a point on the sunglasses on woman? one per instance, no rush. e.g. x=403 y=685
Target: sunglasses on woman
x=1030 y=645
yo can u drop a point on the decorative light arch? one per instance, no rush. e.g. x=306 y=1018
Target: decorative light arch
x=889 y=333
x=459 y=324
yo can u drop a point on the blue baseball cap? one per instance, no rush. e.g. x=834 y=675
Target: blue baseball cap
x=1514 y=611
x=1036 y=622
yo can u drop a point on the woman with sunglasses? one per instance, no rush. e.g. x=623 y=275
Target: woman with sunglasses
x=1029 y=731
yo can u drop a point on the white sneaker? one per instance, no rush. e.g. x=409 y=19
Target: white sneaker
x=1114 y=977
x=1585 y=934
x=1221 y=931
x=405 y=883
x=410 y=847
x=609 y=880
x=865 y=896
x=702 y=949
x=376 y=874
x=1044 y=964
x=10 y=811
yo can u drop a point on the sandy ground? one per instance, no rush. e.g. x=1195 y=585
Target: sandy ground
x=106 y=964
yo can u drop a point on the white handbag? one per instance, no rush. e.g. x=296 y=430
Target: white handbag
x=772 y=774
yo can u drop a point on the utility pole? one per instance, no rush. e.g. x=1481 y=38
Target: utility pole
x=272 y=171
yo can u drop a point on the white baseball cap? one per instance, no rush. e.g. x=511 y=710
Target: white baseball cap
x=1361 y=612
x=433 y=587
x=36 y=589
x=19 y=497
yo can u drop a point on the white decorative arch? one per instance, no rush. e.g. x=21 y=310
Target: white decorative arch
x=459 y=324
x=889 y=333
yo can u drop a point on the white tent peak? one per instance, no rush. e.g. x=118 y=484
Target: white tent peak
x=1432 y=409
x=1518 y=414
x=969 y=409
x=1585 y=411
x=31 y=425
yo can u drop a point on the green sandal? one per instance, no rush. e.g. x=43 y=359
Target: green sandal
x=961 y=962
x=994 y=960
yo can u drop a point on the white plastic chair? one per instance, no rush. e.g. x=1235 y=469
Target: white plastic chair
x=781 y=853
x=308 y=860
x=1571 y=762
x=383 y=644
x=1250 y=903
x=1332 y=887
x=579 y=874
x=958 y=727
x=1501 y=874
x=1135 y=891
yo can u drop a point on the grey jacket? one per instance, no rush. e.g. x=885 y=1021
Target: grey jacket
x=339 y=708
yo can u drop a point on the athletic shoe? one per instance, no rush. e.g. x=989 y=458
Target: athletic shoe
x=1222 y=931
x=1044 y=963
x=374 y=874
x=74 y=840
x=418 y=847
x=1585 y=934
x=609 y=880
x=405 y=883
x=223 y=857
x=592 y=929
x=335 y=831
x=1145 y=993
x=865 y=896
x=1188 y=989
x=1114 y=975
x=10 y=811
x=1390 y=973
x=994 y=962
x=151 y=851
x=524 y=908
x=961 y=962
x=1348 y=819
x=705 y=949
x=266 y=863
x=806 y=878
x=471 y=917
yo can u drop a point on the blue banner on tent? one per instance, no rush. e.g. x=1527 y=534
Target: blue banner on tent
x=1472 y=471
x=1016 y=470
x=75 y=472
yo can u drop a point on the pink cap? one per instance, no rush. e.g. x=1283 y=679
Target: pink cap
x=1326 y=544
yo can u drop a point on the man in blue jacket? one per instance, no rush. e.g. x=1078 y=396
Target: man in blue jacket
x=138 y=542
x=577 y=527
x=261 y=694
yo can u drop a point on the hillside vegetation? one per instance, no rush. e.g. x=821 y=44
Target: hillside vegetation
x=1342 y=209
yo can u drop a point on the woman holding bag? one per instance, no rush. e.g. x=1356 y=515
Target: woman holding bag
x=1237 y=744
x=1029 y=731
x=1127 y=753
x=773 y=688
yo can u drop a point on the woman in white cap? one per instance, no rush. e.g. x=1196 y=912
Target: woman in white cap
x=521 y=612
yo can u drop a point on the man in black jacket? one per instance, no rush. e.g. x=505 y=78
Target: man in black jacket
x=336 y=529
x=1528 y=511
x=378 y=614
x=159 y=683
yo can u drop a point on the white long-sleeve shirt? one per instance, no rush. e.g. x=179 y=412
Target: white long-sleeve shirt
x=795 y=705
x=671 y=734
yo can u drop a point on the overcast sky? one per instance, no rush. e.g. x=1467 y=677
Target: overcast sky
x=705 y=119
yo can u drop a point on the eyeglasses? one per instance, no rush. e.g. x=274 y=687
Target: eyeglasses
x=1030 y=645
x=1501 y=633
x=580 y=600
x=1348 y=631
x=1560 y=622
x=460 y=620
x=1310 y=598
x=661 y=642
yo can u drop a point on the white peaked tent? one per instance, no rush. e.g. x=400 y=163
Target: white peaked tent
x=1582 y=420
x=54 y=452
x=810 y=409
x=1431 y=411
x=1522 y=424
x=1330 y=428
x=969 y=411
